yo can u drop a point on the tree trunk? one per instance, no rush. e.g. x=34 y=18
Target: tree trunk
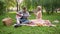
x=52 y=10
x=42 y=8
x=56 y=11
x=17 y=5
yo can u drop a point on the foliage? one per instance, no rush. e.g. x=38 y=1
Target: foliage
x=10 y=3
x=31 y=4
x=2 y=7
x=5 y=4
x=49 y=5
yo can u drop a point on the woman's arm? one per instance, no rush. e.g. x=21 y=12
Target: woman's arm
x=35 y=12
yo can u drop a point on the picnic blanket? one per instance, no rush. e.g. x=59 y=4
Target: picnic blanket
x=38 y=22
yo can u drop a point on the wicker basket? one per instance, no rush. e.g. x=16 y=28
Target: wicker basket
x=7 y=21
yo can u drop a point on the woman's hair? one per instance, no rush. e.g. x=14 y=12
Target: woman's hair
x=39 y=7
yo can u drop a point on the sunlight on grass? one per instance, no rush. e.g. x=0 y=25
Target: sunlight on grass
x=12 y=12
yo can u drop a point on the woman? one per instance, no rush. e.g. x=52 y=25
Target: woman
x=38 y=12
x=39 y=21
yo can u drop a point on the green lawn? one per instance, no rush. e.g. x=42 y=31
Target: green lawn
x=31 y=30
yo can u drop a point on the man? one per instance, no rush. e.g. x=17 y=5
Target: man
x=22 y=17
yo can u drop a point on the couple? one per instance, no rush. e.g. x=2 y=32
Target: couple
x=22 y=18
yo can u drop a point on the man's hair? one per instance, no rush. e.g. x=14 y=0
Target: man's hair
x=24 y=8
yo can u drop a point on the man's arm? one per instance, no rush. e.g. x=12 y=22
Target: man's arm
x=28 y=14
x=19 y=14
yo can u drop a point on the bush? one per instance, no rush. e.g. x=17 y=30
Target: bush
x=2 y=7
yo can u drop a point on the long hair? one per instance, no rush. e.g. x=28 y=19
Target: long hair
x=38 y=9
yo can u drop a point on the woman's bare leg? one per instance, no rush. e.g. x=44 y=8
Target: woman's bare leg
x=47 y=23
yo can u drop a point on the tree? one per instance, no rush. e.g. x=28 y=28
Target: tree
x=2 y=7
x=10 y=3
x=31 y=4
x=50 y=5
x=5 y=4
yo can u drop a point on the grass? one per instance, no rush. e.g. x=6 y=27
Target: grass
x=31 y=30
